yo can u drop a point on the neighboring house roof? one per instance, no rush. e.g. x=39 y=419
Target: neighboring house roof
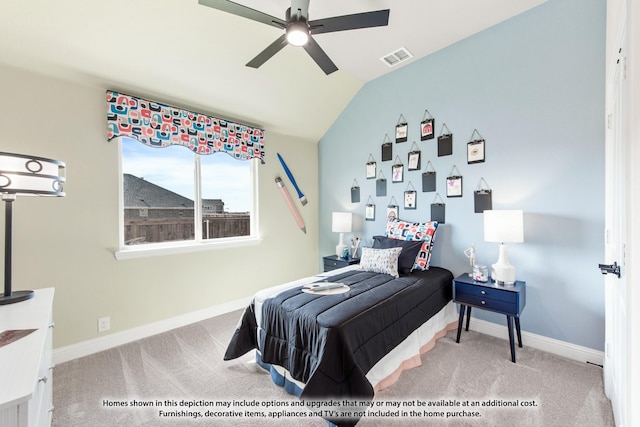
x=139 y=193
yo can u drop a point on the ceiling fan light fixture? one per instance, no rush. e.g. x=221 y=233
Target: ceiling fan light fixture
x=297 y=33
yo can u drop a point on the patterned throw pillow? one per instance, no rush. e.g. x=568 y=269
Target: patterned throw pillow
x=415 y=231
x=380 y=260
x=407 y=257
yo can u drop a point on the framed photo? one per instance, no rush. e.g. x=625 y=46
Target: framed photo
x=397 y=173
x=392 y=212
x=475 y=151
x=402 y=130
x=371 y=170
x=370 y=212
x=410 y=199
x=454 y=186
x=426 y=129
x=414 y=160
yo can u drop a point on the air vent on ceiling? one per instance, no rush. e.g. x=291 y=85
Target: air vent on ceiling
x=395 y=58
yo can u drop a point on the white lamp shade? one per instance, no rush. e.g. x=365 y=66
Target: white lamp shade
x=503 y=226
x=342 y=222
x=30 y=175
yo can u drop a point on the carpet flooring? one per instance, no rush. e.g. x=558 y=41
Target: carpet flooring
x=167 y=379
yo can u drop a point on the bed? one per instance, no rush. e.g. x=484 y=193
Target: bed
x=349 y=344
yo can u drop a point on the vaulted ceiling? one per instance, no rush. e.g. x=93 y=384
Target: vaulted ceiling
x=193 y=56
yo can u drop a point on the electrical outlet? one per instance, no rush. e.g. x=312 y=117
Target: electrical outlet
x=104 y=324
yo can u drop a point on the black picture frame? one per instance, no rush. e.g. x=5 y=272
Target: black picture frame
x=410 y=199
x=454 y=186
x=355 y=194
x=371 y=170
x=426 y=129
x=438 y=212
x=402 y=131
x=475 y=151
x=413 y=161
x=397 y=173
x=370 y=212
x=445 y=145
x=381 y=187
x=387 y=151
x=392 y=212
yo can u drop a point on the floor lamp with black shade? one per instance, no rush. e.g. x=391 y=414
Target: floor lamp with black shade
x=24 y=175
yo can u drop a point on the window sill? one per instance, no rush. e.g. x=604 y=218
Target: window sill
x=178 y=248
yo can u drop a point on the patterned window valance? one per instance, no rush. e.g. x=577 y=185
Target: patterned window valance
x=160 y=125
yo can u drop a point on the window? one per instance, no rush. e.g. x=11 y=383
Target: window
x=173 y=198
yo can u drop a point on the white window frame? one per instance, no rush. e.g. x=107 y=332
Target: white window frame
x=187 y=246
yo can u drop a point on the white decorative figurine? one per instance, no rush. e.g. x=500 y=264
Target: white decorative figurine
x=471 y=254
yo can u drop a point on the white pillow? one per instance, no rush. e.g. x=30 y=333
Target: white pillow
x=380 y=260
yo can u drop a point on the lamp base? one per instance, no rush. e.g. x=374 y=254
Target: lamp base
x=16 y=296
x=502 y=272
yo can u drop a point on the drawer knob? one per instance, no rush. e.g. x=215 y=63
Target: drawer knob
x=483 y=292
x=483 y=303
x=42 y=379
x=52 y=325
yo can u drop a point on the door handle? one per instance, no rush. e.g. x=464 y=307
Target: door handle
x=610 y=268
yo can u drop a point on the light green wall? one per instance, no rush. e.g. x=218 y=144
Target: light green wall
x=68 y=243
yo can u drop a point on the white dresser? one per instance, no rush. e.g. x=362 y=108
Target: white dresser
x=26 y=398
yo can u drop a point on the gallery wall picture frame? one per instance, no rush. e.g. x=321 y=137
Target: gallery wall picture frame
x=475 y=149
x=402 y=130
x=371 y=168
x=426 y=126
x=438 y=210
x=381 y=185
x=454 y=183
x=355 y=192
x=482 y=197
x=410 y=197
x=429 y=178
x=370 y=210
x=387 y=148
x=413 y=161
x=445 y=142
x=397 y=171
x=392 y=209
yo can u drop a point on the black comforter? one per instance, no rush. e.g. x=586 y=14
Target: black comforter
x=330 y=342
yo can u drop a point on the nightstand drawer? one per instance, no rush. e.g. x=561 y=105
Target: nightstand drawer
x=333 y=262
x=501 y=306
x=486 y=292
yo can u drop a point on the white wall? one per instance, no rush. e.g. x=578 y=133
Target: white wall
x=69 y=242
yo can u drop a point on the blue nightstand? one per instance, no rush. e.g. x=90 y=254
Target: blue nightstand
x=507 y=300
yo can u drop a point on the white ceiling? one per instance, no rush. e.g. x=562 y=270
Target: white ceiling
x=185 y=54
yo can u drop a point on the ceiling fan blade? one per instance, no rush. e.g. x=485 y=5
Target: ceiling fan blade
x=244 y=11
x=271 y=50
x=318 y=55
x=378 y=18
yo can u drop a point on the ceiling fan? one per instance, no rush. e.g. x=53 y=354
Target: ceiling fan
x=298 y=28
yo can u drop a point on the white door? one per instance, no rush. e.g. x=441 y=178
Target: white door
x=616 y=178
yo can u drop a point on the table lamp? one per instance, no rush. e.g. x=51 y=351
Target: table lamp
x=22 y=175
x=341 y=222
x=504 y=226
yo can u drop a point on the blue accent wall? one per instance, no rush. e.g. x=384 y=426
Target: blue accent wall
x=533 y=87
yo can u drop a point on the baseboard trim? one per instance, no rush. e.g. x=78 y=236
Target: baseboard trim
x=95 y=345
x=550 y=345
x=85 y=348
